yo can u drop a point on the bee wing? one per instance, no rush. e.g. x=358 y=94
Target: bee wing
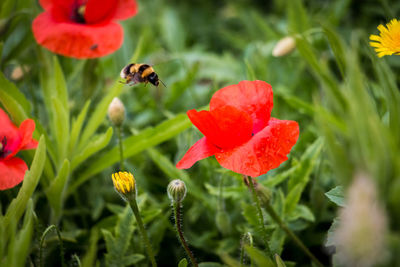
x=135 y=78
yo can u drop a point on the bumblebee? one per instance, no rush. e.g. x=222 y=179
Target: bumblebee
x=139 y=73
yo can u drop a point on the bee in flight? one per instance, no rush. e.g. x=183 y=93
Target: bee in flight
x=139 y=73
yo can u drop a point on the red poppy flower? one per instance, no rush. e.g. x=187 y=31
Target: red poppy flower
x=82 y=28
x=12 y=140
x=239 y=131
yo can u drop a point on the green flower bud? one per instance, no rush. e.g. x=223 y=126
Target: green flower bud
x=284 y=46
x=116 y=112
x=263 y=193
x=176 y=190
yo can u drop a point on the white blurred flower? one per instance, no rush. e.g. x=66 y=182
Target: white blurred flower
x=360 y=237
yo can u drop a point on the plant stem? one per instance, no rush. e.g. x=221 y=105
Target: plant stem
x=142 y=230
x=178 y=224
x=289 y=232
x=260 y=215
x=48 y=229
x=121 y=149
x=243 y=243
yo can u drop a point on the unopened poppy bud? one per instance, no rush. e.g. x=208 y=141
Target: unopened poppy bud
x=223 y=222
x=176 y=190
x=124 y=183
x=116 y=112
x=284 y=46
x=263 y=193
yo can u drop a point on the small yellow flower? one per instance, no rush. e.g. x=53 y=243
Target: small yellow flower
x=124 y=183
x=388 y=42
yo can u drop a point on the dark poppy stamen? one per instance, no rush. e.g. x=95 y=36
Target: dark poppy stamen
x=3 y=151
x=78 y=15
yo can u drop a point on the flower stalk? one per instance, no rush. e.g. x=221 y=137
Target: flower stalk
x=142 y=230
x=116 y=113
x=249 y=180
x=177 y=192
x=121 y=148
x=125 y=185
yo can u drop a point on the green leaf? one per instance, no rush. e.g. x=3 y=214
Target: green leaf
x=183 y=263
x=297 y=16
x=99 y=114
x=117 y=245
x=301 y=212
x=321 y=72
x=250 y=214
x=337 y=47
x=277 y=240
x=61 y=129
x=250 y=74
x=60 y=86
x=95 y=145
x=91 y=252
x=31 y=179
x=279 y=261
x=330 y=240
x=167 y=166
x=301 y=175
x=77 y=127
x=293 y=198
x=210 y=264
x=18 y=252
x=336 y=195
x=13 y=100
x=11 y=105
x=174 y=40
x=56 y=191
x=259 y=257
x=55 y=96
x=135 y=144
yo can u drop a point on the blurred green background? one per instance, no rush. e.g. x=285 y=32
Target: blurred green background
x=345 y=99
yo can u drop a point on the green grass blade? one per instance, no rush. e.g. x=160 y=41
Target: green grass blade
x=135 y=144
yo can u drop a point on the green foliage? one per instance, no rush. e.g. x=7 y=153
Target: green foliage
x=345 y=99
x=118 y=244
x=336 y=195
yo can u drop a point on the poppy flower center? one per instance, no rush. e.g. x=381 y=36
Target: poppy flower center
x=3 y=151
x=78 y=14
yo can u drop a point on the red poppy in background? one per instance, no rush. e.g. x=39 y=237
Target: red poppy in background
x=12 y=140
x=82 y=28
x=239 y=131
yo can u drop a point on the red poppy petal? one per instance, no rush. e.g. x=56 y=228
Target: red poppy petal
x=200 y=150
x=225 y=127
x=46 y=4
x=8 y=132
x=253 y=97
x=7 y=129
x=12 y=172
x=26 y=130
x=126 y=9
x=31 y=145
x=77 y=40
x=100 y=11
x=24 y=138
x=265 y=151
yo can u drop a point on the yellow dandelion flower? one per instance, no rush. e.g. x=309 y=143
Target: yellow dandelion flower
x=124 y=183
x=388 y=42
